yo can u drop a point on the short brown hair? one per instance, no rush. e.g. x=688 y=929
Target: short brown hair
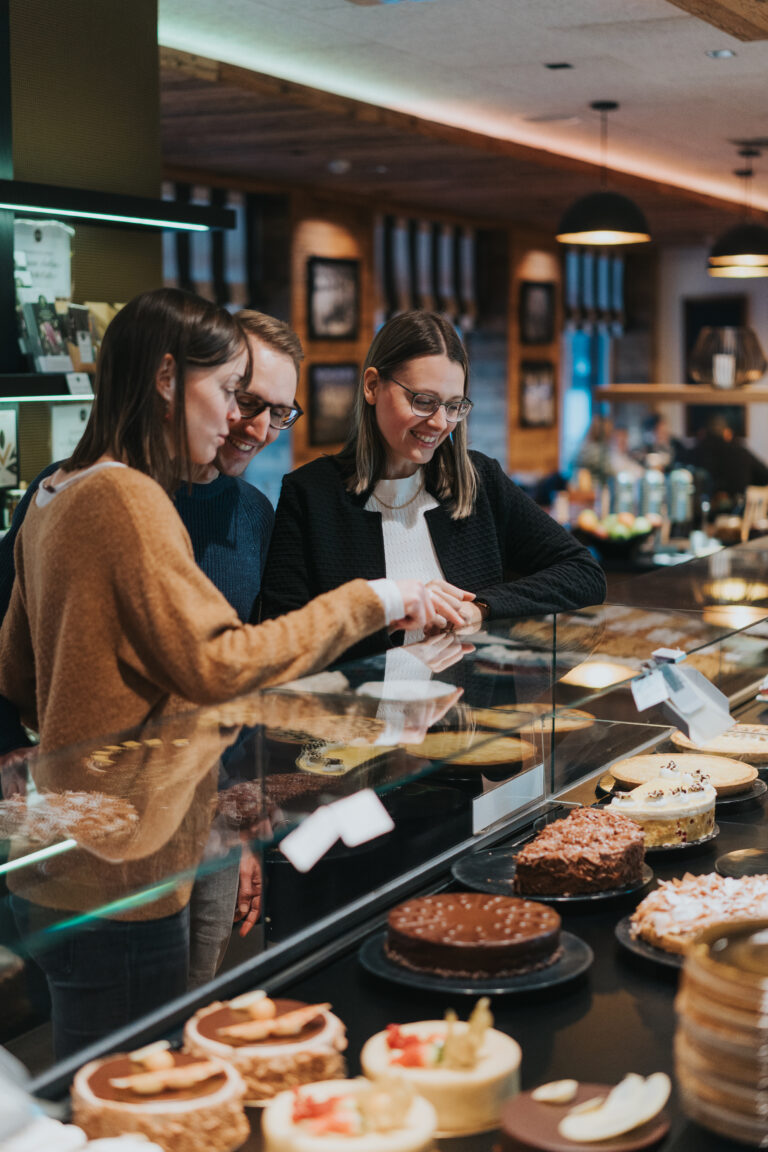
x=450 y=473
x=127 y=416
x=273 y=332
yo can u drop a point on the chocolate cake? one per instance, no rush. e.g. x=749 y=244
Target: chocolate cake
x=469 y=934
x=182 y=1103
x=591 y=850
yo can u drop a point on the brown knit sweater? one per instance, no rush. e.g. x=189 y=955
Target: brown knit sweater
x=110 y=617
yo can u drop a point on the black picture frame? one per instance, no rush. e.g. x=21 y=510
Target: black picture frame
x=537 y=312
x=538 y=394
x=333 y=298
x=332 y=390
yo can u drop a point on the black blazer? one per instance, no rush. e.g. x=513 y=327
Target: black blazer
x=509 y=552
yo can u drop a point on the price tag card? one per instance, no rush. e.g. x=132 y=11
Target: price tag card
x=311 y=840
x=79 y=384
x=649 y=690
x=361 y=817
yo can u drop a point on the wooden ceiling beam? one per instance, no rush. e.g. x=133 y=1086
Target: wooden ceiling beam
x=745 y=19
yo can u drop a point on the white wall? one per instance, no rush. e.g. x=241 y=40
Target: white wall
x=683 y=273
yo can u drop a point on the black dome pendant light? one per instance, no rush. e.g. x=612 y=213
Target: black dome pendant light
x=742 y=252
x=603 y=217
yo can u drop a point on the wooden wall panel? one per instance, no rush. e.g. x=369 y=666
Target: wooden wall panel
x=533 y=256
x=341 y=231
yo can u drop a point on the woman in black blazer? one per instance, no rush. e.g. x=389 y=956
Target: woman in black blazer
x=405 y=495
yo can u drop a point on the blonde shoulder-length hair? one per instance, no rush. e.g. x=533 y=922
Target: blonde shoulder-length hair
x=450 y=474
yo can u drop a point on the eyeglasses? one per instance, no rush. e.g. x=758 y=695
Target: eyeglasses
x=424 y=404
x=280 y=416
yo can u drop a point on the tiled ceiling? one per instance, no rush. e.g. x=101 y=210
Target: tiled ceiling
x=477 y=66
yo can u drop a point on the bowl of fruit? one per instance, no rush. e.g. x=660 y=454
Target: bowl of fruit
x=620 y=536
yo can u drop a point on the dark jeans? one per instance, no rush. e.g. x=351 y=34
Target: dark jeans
x=103 y=974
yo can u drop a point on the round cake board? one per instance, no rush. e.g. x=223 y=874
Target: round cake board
x=726 y=776
x=744 y=862
x=640 y=947
x=533 y=1124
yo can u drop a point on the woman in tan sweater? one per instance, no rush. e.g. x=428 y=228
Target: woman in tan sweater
x=111 y=622
x=110 y=617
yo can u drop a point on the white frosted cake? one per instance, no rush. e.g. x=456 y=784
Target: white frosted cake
x=349 y=1116
x=181 y=1103
x=274 y=1044
x=673 y=808
x=465 y=1069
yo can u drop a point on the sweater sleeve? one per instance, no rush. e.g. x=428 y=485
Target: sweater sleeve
x=555 y=573
x=286 y=583
x=175 y=627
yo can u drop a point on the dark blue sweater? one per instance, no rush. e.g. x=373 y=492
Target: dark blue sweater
x=229 y=523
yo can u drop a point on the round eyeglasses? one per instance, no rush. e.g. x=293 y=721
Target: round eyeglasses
x=280 y=415
x=425 y=404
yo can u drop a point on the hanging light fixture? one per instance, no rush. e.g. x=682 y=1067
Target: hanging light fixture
x=603 y=217
x=742 y=251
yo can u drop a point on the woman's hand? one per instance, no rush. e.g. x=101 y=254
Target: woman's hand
x=440 y=651
x=421 y=611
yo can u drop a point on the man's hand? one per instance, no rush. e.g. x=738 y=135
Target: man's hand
x=424 y=609
x=249 y=891
x=13 y=771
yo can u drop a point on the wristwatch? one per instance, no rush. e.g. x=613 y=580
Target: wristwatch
x=485 y=609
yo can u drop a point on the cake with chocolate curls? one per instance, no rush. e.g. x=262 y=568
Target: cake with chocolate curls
x=273 y=1044
x=182 y=1103
x=469 y=934
x=588 y=851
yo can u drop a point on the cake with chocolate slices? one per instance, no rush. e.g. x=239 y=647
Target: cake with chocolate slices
x=472 y=935
x=466 y=1069
x=355 y=1114
x=673 y=808
x=590 y=850
x=182 y=1103
x=273 y=1044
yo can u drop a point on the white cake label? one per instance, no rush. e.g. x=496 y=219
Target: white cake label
x=355 y=819
x=649 y=690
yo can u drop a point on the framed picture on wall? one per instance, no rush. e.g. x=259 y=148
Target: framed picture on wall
x=537 y=312
x=331 y=394
x=333 y=298
x=538 y=406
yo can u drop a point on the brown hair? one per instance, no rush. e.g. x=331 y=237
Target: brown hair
x=450 y=473
x=273 y=332
x=128 y=412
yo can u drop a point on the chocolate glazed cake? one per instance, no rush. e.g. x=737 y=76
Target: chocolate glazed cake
x=591 y=850
x=473 y=935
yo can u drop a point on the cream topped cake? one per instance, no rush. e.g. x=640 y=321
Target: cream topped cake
x=671 y=915
x=180 y=1102
x=274 y=1044
x=349 y=1116
x=673 y=808
x=465 y=1069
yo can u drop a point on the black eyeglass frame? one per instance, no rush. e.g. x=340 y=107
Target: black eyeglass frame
x=252 y=406
x=465 y=402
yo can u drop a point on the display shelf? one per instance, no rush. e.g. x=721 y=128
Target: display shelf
x=39 y=387
x=684 y=393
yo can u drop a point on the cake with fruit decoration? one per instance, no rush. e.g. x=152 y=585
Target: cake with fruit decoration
x=466 y=1069
x=273 y=1044
x=182 y=1103
x=473 y=935
x=590 y=850
x=358 y=1115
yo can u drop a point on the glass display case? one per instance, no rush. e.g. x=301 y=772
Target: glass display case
x=375 y=778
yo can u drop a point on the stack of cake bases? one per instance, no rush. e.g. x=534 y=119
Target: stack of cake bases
x=473 y=936
x=672 y=808
x=174 y=1099
x=466 y=1069
x=273 y=1044
x=590 y=850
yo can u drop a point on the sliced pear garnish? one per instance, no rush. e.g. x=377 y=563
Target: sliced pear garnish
x=153 y=1056
x=556 y=1092
x=631 y=1103
x=587 y=1106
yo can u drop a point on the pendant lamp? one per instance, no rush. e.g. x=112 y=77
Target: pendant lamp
x=742 y=252
x=603 y=217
